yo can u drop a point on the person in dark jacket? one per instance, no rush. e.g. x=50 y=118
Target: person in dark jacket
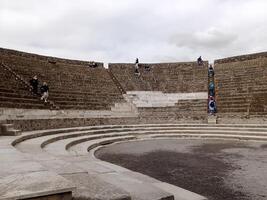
x=211 y=71
x=44 y=92
x=211 y=89
x=212 y=105
x=34 y=84
x=199 y=61
x=136 y=67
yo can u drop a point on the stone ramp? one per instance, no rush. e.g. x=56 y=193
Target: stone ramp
x=26 y=178
x=22 y=178
x=179 y=193
x=91 y=187
x=33 y=185
x=138 y=189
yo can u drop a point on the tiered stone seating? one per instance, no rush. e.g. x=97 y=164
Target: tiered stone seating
x=165 y=77
x=73 y=84
x=160 y=93
x=61 y=161
x=69 y=153
x=241 y=85
x=170 y=106
x=14 y=94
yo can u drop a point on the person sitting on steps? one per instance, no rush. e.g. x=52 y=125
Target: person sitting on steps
x=147 y=68
x=199 y=61
x=211 y=71
x=34 y=84
x=136 y=70
x=44 y=92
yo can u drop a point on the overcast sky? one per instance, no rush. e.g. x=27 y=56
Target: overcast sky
x=121 y=30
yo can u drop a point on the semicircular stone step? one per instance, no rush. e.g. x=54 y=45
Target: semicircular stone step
x=58 y=148
x=34 y=134
x=212 y=136
x=82 y=145
x=113 y=131
x=56 y=143
x=39 y=137
x=36 y=140
x=33 y=140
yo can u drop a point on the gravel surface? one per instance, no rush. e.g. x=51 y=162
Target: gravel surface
x=217 y=169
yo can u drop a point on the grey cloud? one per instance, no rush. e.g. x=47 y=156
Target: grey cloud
x=120 y=30
x=212 y=39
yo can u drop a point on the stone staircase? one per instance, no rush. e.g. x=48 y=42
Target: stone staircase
x=117 y=83
x=15 y=92
x=8 y=129
x=69 y=153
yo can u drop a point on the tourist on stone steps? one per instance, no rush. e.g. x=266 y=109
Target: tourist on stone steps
x=199 y=61
x=136 y=70
x=211 y=89
x=211 y=71
x=44 y=92
x=212 y=105
x=92 y=64
x=147 y=68
x=34 y=84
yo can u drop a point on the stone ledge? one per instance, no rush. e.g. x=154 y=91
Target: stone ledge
x=212 y=119
x=33 y=184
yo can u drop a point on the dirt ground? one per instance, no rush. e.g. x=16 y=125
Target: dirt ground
x=217 y=169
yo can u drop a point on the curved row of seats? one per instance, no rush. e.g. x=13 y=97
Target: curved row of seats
x=68 y=152
x=68 y=138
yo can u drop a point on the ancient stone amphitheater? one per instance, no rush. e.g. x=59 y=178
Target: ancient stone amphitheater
x=47 y=150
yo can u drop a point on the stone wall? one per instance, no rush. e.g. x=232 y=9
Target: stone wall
x=41 y=124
